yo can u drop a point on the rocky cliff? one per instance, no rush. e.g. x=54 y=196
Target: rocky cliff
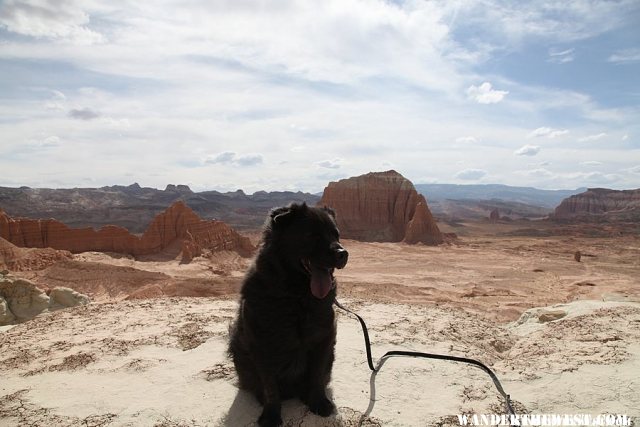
x=601 y=204
x=177 y=225
x=381 y=207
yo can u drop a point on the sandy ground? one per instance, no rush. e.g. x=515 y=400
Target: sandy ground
x=161 y=362
x=498 y=277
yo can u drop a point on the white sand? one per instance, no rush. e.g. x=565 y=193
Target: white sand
x=163 y=362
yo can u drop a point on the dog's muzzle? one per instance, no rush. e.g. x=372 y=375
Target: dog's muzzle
x=341 y=256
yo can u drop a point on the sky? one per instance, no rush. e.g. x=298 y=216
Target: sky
x=289 y=95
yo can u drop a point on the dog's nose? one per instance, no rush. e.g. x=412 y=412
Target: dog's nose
x=341 y=257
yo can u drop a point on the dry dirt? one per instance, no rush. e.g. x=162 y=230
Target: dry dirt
x=494 y=276
x=562 y=336
x=498 y=277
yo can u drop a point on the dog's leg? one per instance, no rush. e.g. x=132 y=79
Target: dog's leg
x=318 y=377
x=271 y=413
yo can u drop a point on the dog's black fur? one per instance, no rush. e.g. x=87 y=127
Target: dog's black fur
x=282 y=341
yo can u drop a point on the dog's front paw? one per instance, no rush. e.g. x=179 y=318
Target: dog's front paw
x=322 y=406
x=270 y=416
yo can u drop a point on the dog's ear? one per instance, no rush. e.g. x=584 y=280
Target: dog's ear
x=284 y=215
x=330 y=212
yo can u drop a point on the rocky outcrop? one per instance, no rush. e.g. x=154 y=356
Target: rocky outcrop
x=381 y=207
x=174 y=226
x=422 y=228
x=27 y=259
x=22 y=300
x=601 y=204
x=65 y=297
x=6 y=316
x=494 y=216
x=551 y=315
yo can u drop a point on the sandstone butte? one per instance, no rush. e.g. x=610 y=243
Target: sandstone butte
x=177 y=225
x=601 y=202
x=381 y=207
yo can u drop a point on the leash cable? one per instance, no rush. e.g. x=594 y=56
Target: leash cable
x=496 y=381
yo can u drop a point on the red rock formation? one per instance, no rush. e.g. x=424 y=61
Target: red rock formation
x=381 y=207
x=601 y=203
x=422 y=228
x=176 y=225
x=22 y=259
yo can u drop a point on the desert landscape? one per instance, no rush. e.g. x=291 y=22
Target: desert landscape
x=182 y=183
x=551 y=305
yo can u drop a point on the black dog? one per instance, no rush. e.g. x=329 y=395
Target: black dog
x=282 y=341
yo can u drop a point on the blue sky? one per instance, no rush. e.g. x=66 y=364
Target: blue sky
x=288 y=95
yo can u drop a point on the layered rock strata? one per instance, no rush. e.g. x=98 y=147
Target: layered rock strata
x=178 y=225
x=381 y=207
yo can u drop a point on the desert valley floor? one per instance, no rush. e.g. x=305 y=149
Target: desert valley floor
x=563 y=336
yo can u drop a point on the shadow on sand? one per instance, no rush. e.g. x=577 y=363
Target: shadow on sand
x=245 y=410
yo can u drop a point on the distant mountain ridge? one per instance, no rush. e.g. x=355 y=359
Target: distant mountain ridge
x=524 y=195
x=134 y=207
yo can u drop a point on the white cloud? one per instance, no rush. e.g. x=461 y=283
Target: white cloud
x=635 y=169
x=54 y=106
x=484 y=94
x=224 y=157
x=625 y=137
x=594 y=137
x=547 y=132
x=591 y=163
x=231 y=157
x=625 y=56
x=467 y=140
x=471 y=174
x=249 y=160
x=83 y=114
x=57 y=95
x=51 y=141
x=561 y=56
x=55 y=19
x=557 y=22
x=48 y=142
x=309 y=79
x=538 y=173
x=331 y=164
x=594 y=177
x=338 y=41
x=527 y=150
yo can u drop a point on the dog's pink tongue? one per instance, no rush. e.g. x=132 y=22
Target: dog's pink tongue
x=321 y=282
